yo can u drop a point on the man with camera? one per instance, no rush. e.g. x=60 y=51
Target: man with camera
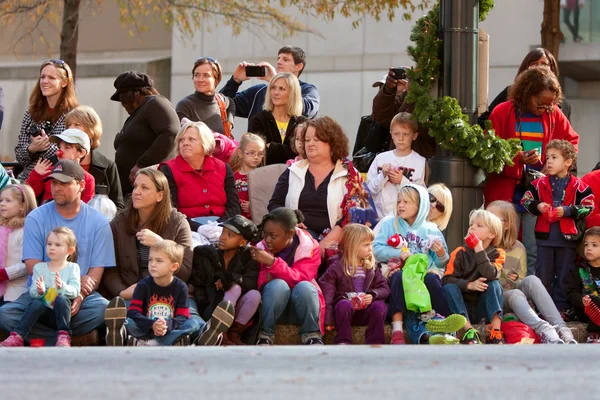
x=390 y=100
x=250 y=101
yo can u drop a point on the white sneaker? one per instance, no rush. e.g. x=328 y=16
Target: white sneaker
x=566 y=334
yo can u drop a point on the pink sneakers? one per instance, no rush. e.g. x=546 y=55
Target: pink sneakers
x=398 y=338
x=14 y=340
x=63 y=339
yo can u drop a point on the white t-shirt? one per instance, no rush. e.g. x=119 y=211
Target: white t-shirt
x=385 y=193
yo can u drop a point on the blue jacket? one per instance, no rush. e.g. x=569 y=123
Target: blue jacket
x=251 y=100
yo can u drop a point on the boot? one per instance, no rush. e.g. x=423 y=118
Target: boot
x=234 y=333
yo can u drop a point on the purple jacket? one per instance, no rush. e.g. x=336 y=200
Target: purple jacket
x=335 y=284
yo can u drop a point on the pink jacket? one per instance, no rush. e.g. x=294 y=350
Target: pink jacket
x=306 y=265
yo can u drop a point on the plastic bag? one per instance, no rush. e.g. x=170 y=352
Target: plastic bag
x=516 y=332
x=357 y=299
x=416 y=294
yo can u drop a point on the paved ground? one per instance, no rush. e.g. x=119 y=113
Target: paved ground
x=330 y=372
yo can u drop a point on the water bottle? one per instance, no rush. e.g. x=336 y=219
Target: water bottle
x=102 y=203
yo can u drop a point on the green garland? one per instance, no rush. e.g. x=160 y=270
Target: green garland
x=443 y=116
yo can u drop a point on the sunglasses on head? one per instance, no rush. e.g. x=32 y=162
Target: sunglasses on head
x=59 y=63
x=438 y=206
x=212 y=60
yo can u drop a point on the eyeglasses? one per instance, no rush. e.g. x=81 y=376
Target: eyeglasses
x=59 y=63
x=438 y=206
x=254 y=154
x=212 y=60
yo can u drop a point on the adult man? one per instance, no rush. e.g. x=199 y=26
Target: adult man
x=250 y=101
x=95 y=250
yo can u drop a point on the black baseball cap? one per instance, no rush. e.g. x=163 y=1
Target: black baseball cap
x=242 y=226
x=130 y=80
x=66 y=171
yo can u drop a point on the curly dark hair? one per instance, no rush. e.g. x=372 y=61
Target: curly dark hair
x=566 y=149
x=329 y=131
x=531 y=83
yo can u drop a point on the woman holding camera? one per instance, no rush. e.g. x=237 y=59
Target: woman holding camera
x=204 y=105
x=276 y=123
x=49 y=102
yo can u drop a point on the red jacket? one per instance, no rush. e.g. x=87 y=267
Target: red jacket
x=578 y=197
x=592 y=179
x=556 y=126
x=39 y=186
x=199 y=193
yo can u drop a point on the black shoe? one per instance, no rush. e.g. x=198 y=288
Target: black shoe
x=569 y=315
x=114 y=318
x=182 y=341
x=314 y=341
x=220 y=321
x=264 y=342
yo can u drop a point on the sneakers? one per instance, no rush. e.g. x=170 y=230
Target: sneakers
x=264 y=342
x=220 y=321
x=569 y=315
x=14 y=340
x=546 y=338
x=443 y=339
x=398 y=338
x=114 y=318
x=314 y=341
x=471 y=337
x=495 y=336
x=565 y=333
x=63 y=339
x=593 y=338
x=451 y=324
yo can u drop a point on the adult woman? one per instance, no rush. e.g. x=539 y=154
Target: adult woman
x=276 y=123
x=214 y=109
x=148 y=219
x=148 y=135
x=537 y=56
x=49 y=101
x=201 y=185
x=317 y=186
x=101 y=168
x=289 y=259
x=530 y=115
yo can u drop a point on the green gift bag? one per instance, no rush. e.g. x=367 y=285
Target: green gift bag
x=416 y=294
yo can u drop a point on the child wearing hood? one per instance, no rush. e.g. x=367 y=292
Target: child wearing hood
x=416 y=236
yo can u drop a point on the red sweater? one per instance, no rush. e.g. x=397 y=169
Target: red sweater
x=556 y=126
x=592 y=179
x=199 y=193
x=36 y=181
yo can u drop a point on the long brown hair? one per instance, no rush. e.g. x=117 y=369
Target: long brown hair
x=535 y=55
x=159 y=218
x=38 y=105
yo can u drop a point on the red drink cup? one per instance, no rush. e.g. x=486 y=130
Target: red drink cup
x=472 y=240
x=37 y=342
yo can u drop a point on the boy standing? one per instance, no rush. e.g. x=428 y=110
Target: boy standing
x=583 y=284
x=158 y=313
x=471 y=279
x=73 y=144
x=558 y=200
x=392 y=169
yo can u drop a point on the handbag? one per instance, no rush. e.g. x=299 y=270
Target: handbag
x=221 y=102
x=416 y=295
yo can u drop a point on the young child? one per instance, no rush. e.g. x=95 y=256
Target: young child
x=101 y=168
x=471 y=280
x=440 y=199
x=520 y=290
x=53 y=285
x=16 y=201
x=248 y=156
x=297 y=142
x=418 y=236
x=558 y=200
x=158 y=314
x=392 y=169
x=228 y=274
x=73 y=144
x=353 y=272
x=583 y=284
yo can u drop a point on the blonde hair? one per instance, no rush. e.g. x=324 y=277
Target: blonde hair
x=294 y=104
x=24 y=194
x=412 y=196
x=69 y=236
x=444 y=196
x=173 y=250
x=492 y=222
x=353 y=236
x=237 y=159
x=204 y=134
x=507 y=212
x=88 y=118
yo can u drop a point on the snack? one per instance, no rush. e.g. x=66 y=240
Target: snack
x=472 y=240
x=357 y=299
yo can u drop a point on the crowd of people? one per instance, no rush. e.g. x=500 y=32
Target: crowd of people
x=334 y=249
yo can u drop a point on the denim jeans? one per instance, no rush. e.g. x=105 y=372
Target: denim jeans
x=488 y=303
x=527 y=222
x=298 y=306
x=189 y=327
x=37 y=310
x=89 y=317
